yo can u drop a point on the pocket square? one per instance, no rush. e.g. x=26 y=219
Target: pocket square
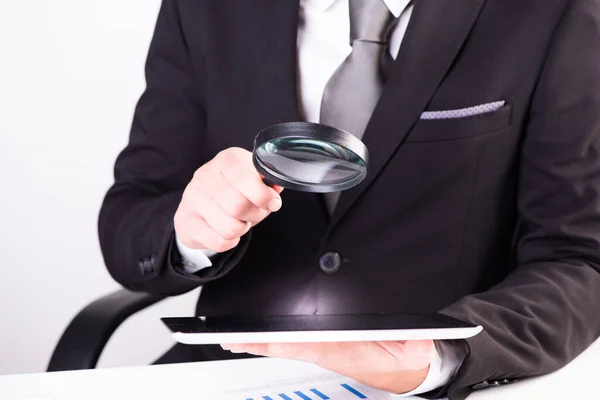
x=463 y=112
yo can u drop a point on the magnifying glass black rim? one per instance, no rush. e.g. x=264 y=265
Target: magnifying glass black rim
x=309 y=130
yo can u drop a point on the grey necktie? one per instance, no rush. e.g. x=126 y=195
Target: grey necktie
x=352 y=92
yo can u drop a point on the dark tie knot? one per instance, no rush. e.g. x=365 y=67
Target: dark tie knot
x=370 y=21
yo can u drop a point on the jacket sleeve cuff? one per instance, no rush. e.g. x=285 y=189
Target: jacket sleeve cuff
x=221 y=263
x=194 y=260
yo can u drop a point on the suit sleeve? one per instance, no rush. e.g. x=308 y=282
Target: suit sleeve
x=166 y=146
x=545 y=312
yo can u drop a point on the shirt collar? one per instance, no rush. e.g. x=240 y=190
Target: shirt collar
x=395 y=6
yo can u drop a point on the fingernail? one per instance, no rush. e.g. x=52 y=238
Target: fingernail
x=277 y=348
x=225 y=347
x=275 y=204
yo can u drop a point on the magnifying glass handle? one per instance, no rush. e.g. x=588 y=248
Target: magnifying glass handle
x=268 y=182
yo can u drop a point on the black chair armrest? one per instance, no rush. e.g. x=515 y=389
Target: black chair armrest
x=86 y=336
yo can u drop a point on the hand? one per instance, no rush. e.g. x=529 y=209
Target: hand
x=394 y=367
x=225 y=198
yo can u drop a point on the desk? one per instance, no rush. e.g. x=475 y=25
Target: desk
x=212 y=381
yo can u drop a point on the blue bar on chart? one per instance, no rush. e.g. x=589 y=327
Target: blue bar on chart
x=353 y=391
x=321 y=395
x=302 y=396
x=338 y=391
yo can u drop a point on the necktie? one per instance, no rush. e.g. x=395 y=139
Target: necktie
x=353 y=90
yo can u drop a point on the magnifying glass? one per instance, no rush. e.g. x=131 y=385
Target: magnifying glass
x=310 y=157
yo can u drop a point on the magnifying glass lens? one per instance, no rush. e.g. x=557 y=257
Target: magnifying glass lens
x=310 y=157
x=310 y=161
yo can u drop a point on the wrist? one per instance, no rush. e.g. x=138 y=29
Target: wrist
x=400 y=382
x=407 y=381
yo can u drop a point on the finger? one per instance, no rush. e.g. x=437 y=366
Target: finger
x=230 y=199
x=225 y=225
x=277 y=188
x=235 y=204
x=249 y=183
x=199 y=235
x=308 y=352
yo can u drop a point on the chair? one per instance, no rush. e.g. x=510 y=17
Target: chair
x=84 y=339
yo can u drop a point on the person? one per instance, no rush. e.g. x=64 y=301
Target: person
x=481 y=202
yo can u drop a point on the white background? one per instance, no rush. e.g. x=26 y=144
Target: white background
x=71 y=72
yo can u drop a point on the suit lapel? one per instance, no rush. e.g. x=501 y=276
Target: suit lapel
x=272 y=53
x=273 y=59
x=434 y=37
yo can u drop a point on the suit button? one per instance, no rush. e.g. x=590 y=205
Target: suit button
x=146 y=264
x=330 y=263
x=481 y=385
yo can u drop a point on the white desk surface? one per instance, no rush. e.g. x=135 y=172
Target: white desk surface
x=212 y=381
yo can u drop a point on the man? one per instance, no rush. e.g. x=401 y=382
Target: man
x=482 y=119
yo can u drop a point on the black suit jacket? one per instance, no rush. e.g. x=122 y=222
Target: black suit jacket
x=493 y=219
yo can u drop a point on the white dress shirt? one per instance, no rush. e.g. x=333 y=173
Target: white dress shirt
x=323 y=44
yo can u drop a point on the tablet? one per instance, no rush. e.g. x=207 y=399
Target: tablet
x=317 y=328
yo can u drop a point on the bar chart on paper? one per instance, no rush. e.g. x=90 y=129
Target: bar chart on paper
x=319 y=387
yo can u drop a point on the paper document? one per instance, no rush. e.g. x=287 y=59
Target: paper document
x=315 y=387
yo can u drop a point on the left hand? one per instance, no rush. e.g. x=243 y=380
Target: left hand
x=395 y=367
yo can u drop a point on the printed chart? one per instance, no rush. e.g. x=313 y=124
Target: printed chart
x=319 y=387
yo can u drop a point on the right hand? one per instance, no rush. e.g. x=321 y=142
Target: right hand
x=226 y=197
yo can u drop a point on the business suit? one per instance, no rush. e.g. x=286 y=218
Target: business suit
x=493 y=219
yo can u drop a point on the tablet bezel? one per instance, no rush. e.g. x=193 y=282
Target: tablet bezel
x=318 y=328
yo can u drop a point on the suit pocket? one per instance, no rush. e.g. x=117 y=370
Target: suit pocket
x=433 y=130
